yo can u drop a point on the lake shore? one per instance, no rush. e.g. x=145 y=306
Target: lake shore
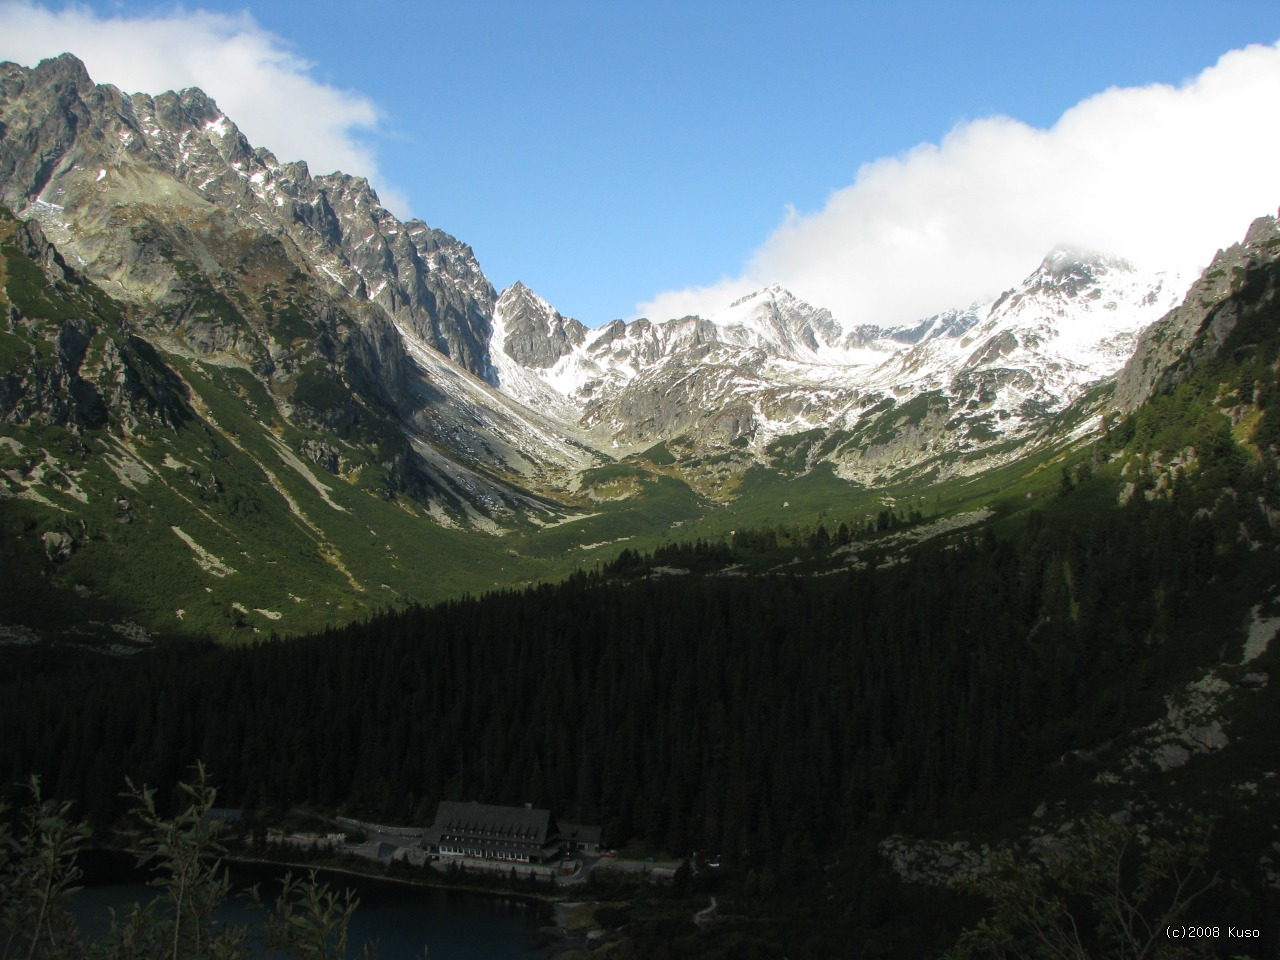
x=352 y=870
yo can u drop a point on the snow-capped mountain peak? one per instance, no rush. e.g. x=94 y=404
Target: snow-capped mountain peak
x=775 y=320
x=1070 y=272
x=771 y=364
x=1078 y=311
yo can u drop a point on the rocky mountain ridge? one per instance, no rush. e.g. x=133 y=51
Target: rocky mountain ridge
x=236 y=258
x=79 y=156
x=772 y=366
x=1207 y=304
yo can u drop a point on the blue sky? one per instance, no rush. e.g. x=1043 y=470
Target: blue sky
x=605 y=153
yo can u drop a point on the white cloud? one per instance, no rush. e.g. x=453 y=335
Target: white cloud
x=1162 y=175
x=699 y=301
x=265 y=88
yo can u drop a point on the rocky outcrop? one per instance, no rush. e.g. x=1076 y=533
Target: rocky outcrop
x=537 y=336
x=1169 y=350
x=141 y=189
x=82 y=369
x=776 y=320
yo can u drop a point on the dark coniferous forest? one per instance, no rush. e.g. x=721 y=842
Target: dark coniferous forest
x=779 y=720
x=764 y=717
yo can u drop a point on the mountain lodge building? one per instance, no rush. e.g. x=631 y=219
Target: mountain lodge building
x=514 y=834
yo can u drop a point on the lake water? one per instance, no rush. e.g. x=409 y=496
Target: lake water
x=452 y=924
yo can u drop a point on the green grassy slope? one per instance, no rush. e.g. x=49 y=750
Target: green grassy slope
x=170 y=492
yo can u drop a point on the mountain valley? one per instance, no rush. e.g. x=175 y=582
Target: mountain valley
x=352 y=364
x=885 y=617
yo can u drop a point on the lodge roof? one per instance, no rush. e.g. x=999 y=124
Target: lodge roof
x=524 y=824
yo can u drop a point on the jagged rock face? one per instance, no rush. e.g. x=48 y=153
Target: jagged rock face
x=536 y=334
x=641 y=343
x=43 y=113
x=676 y=401
x=1203 y=309
x=713 y=380
x=128 y=183
x=365 y=330
x=1067 y=273
x=81 y=371
x=775 y=320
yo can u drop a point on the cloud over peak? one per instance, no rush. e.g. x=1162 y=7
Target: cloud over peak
x=1161 y=175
